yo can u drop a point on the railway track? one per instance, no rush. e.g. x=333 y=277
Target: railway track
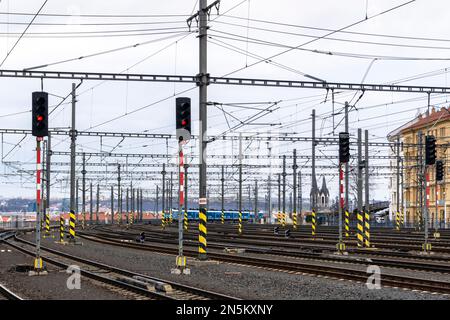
x=418 y=263
x=133 y=285
x=296 y=267
x=6 y=294
x=292 y=244
x=399 y=246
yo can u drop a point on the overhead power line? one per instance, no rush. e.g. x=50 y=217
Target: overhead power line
x=95 y=15
x=324 y=36
x=380 y=35
x=28 y=26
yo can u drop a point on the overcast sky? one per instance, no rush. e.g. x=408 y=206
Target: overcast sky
x=234 y=43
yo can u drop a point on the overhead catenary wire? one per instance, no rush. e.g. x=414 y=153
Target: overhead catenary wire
x=140 y=44
x=23 y=33
x=236 y=37
x=322 y=37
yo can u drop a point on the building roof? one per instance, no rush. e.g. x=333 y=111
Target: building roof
x=314 y=189
x=423 y=120
x=324 y=189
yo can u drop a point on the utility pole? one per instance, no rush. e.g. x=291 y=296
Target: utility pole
x=279 y=196
x=249 y=198
x=163 y=191
x=222 y=180
x=300 y=197
x=203 y=81
x=83 y=191
x=366 y=184
x=142 y=205
x=112 y=205
x=269 y=185
x=98 y=202
x=313 y=177
x=360 y=179
x=346 y=183
x=269 y=196
x=119 y=195
x=127 y=206
x=91 y=207
x=77 y=198
x=313 y=159
x=73 y=139
x=240 y=185
x=134 y=204
x=157 y=197
x=402 y=199
x=366 y=171
x=397 y=212
x=294 y=190
x=256 y=202
x=284 y=191
x=131 y=199
x=420 y=184
x=171 y=195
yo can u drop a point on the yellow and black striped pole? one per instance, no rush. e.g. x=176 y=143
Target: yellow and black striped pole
x=186 y=220
x=313 y=223
x=360 y=229
x=47 y=225
x=222 y=217
x=72 y=225
x=283 y=219
x=240 y=223
x=347 y=224
x=131 y=218
x=61 y=228
x=202 y=233
x=397 y=221
x=367 y=230
x=402 y=218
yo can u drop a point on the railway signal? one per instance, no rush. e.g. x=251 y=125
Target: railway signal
x=344 y=157
x=430 y=150
x=39 y=112
x=344 y=147
x=183 y=119
x=439 y=170
x=183 y=126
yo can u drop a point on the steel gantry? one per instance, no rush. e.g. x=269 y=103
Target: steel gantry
x=199 y=79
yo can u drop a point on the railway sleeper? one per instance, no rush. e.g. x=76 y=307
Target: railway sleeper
x=146 y=284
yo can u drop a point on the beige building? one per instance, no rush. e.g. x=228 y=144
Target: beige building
x=437 y=123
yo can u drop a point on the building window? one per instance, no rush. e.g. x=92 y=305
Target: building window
x=442 y=132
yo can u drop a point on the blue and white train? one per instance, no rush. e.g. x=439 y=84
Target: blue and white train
x=216 y=215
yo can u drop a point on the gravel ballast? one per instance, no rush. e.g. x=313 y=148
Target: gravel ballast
x=52 y=286
x=236 y=280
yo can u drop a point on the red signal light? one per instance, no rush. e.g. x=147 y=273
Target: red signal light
x=40 y=118
x=183 y=122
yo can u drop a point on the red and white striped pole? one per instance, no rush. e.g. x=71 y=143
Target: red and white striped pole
x=38 y=260
x=341 y=245
x=181 y=260
x=181 y=170
x=427 y=246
